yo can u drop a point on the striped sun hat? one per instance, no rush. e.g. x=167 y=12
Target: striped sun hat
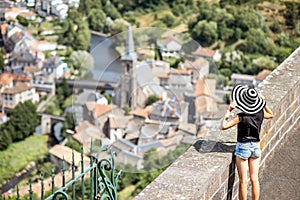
x=247 y=99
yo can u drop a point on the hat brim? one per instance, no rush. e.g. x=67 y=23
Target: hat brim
x=243 y=104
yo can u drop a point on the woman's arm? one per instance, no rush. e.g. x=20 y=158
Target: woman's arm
x=228 y=124
x=268 y=112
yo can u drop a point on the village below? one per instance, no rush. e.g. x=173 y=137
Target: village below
x=77 y=75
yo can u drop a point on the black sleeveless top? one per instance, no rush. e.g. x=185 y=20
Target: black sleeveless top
x=249 y=126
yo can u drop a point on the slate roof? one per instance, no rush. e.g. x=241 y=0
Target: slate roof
x=169 y=107
x=18 y=88
x=145 y=147
x=88 y=96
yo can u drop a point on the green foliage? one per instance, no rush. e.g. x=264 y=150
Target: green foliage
x=68 y=101
x=22 y=20
x=205 y=32
x=284 y=40
x=291 y=14
x=111 y=10
x=22 y=124
x=261 y=63
x=76 y=31
x=281 y=53
x=127 y=109
x=18 y=155
x=175 y=61
x=5 y=139
x=169 y=19
x=257 y=42
x=96 y=19
x=108 y=97
x=52 y=107
x=73 y=144
x=69 y=122
x=82 y=59
x=248 y=18
x=2 y=54
x=151 y=99
x=63 y=91
x=118 y=26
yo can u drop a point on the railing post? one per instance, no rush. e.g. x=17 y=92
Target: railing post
x=82 y=171
x=52 y=179
x=91 y=172
x=42 y=187
x=73 y=176
x=18 y=194
x=30 y=189
x=63 y=172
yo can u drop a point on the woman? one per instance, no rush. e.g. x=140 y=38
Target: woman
x=253 y=110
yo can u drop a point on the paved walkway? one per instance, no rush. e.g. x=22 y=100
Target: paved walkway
x=280 y=179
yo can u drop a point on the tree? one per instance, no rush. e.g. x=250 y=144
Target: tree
x=83 y=37
x=24 y=120
x=257 y=42
x=108 y=97
x=246 y=19
x=284 y=40
x=169 y=19
x=205 y=32
x=5 y=139
x=291 y=13
x=151 y=99
x=261 y=63
x=69 y=123
x=111 y=10
x=97 y=19
x=22 y=20
x=2 y=59
x=118 y=26
x=82 y=59
x=62 y=92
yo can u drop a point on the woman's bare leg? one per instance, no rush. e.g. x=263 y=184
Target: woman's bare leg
x=242 y=167
x=253 y=169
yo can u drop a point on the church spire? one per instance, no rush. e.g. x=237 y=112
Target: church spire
x=130 y=53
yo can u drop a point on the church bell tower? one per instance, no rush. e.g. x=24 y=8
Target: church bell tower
x=128 y=85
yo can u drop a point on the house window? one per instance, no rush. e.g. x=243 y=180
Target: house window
x=127 y=68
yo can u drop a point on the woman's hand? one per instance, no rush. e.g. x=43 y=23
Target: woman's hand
x=231 y=106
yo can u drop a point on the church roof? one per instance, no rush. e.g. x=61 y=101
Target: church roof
x=130 y=53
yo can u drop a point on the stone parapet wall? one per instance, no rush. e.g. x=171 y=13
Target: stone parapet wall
x=207 y=169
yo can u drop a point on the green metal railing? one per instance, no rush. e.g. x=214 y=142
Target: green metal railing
x=103 y=180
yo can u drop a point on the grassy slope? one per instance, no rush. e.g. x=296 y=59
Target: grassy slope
x=19 y=154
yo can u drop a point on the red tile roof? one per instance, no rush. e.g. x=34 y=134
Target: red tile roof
x=18 y=88
x=6 y=78
x=201 y=88
x=179 y=71
x=204 y=52
x=172 y=38
x=140 y=112
x=161 y=74
x=11 y=10
x=99 y=109
x=3 y=29
x=262 y=75
x=196 y=64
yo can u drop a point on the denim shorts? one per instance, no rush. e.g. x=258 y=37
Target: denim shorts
x=247 y=150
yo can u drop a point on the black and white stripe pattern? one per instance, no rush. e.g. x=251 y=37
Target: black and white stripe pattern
x=247 y=99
